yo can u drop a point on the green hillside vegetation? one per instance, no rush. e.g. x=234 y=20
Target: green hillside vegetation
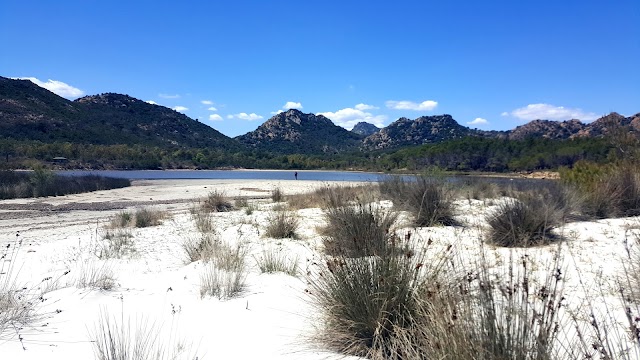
x=500 y=155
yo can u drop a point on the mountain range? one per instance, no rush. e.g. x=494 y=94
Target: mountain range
x=29 y=112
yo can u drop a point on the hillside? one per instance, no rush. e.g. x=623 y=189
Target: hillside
x=423 y=130
x=365 y=129
x=29 y=112
x=294 y=132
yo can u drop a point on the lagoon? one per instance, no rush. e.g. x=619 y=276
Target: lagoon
x=231 y=174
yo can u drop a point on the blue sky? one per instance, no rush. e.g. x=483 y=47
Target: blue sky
x=233 y=64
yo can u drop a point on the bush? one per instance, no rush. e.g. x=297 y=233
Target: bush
x=608 y=190
x=216 y=201
x=365 y=301
x=277 y=195
x=427 y=198
x=328 y=196
x=360 y=230
x=147 y=217
x=478 y=314
x=121 y=220
x=282 y=224
x=523 y=222
x=43 y=182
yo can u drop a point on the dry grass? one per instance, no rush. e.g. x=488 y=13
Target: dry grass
x=282 y=224
x=137 y=339
x=96 y=275
x=358 y=230
x=523 y=222
x=115 y=244
x=202 y=219
x=428 y=199
x=18 y=302
x=143 y=217
x=147 y=217
x=328 y=196
x=275 y=260
x=277 y=195
x=216 y=201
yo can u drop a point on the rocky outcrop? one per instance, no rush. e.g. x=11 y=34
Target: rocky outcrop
x=423 y=130
x=294 y=132
x=365 y=129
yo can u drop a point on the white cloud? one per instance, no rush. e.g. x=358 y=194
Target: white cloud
x=478 y=121
x=169 y=96
x=504 y=113
x=207 y=102
x=292 y=105
x=212 y=109
x=215 y=117
x=57 y=87
x=349 y=117
x=180 y=108
x=364 y=107
x=245 y=116
x=151 y=102
x=551 y=112
x=410 y=105
x=276 y=112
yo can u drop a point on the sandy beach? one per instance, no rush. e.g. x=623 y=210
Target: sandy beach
x=55 y=241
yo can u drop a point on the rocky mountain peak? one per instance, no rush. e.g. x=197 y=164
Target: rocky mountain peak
x=365 y=129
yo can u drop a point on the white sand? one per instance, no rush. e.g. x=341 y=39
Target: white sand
x=272 y=319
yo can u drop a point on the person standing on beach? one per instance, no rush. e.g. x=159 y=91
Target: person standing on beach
x=295 y=174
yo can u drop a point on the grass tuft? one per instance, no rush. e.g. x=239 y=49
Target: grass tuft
x=359 y=230
x=274 y=260
x=217 y=201
x=523 y=222
x=282 y=224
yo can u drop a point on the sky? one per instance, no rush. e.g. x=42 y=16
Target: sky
x=232 y=65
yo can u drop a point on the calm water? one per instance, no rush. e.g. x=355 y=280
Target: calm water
x=230 y=174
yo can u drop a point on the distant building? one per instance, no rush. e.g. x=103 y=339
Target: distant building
x=60 y=160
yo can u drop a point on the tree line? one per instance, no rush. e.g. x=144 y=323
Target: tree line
x=467 y=154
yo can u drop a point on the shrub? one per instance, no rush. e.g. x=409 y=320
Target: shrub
x=360 y=230
x=121 y=220
x=274 y=260
x=479 y=188
x=479 y=314
x=43 y=182
x=608 y=190
x=216 y=201
x=430 y=201
x=365 y=301
x=147 y=217
x=282 y=224
x=327 y=196
x=277 y=195
x=523 y=222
